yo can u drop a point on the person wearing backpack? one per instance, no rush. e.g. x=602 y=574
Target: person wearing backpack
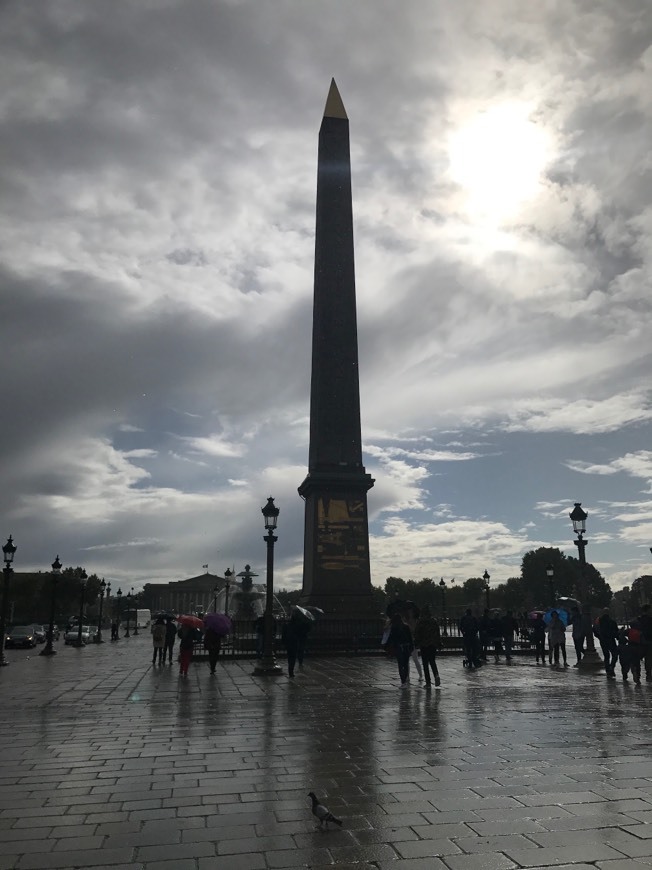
x=158 y=639
x=634 y=650
x=608 y=637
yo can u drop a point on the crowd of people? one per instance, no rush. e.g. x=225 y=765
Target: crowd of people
x=413 y=635
x=165 y=632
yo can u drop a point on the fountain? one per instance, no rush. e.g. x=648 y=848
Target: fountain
x=244 y=599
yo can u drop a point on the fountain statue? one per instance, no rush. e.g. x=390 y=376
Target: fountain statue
x=242 y=599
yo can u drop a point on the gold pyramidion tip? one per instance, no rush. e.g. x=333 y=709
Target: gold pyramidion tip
x=334 y=105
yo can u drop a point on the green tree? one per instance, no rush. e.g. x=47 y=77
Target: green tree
x=567 y=580
x=474 y=592
x=641 y=591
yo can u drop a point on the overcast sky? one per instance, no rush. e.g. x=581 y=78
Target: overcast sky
x=157 y=197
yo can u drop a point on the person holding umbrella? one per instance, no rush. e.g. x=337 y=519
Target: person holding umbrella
x=557 y=637
x=294 y=635
x=187 y=634
x=217 y=625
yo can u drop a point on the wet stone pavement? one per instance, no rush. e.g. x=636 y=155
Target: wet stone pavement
x=109 y=763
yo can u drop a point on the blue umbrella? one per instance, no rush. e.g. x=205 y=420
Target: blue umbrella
x=563 y=615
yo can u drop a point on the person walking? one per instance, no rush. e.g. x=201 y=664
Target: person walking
x=509 y=626
x=186 y=636
x=427 y=638
x=213 y=645
x=469 y=628
x=495 y=634
x=294 y=635
x=410 y=617
x=557 y=638
x=401 y=641
x=577 y=627
x=608 y=637
x=158 y=639
x=539 y=638
x=645 y=626
x=170 y=637
x=634 y=651
x=485 y=633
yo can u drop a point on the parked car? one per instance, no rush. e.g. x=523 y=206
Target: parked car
x=21 y=635
x=39 y=633
x=72 y=635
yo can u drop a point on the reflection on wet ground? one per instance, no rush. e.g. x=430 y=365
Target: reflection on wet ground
x=107 y=762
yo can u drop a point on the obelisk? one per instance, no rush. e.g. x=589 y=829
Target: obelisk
x=336 y=572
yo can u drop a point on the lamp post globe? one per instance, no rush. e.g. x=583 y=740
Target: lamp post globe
x=487 y=589
x=118 y=596
x=79 y=643
x=56 y=573
x=98 y=637
x=8 y=553
x=590 y=659
x=442 y=586
x=127 y=633
x=268 y=666
x=550 y=574
x=227 y=586
x=135 y=602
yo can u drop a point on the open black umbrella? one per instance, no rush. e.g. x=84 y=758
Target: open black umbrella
x=405 y=608
x=395 y=606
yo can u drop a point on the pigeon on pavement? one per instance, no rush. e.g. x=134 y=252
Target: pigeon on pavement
x=321 y=812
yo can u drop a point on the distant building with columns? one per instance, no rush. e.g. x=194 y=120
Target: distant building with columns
x=184 y=596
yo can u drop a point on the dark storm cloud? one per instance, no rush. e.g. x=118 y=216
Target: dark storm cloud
x=157 y=189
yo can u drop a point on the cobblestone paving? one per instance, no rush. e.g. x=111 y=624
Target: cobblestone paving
x=109 y=763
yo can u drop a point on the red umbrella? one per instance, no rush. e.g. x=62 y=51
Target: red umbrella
x=218 y=622
x=192 y=621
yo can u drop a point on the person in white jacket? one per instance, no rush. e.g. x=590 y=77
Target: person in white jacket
x=557 y=637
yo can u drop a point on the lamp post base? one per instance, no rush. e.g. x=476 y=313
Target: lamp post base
x=591 y=661
x=48 y=651
x=268 y=667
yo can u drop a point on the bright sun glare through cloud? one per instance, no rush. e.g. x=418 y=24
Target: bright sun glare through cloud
x=497 y=157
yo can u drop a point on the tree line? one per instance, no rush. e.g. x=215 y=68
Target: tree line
x=533 y=589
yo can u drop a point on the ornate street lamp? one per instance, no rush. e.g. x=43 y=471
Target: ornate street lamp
x=268 y=666
x=56 y=573
x=133 y=598
x=118 y=595
x=442 y=586
x=486 y=577
x=128 y=613
x=8 y=552
x=590 y=659
x=550 y=573
x=82 y=592
x=227 y=577
x=98 y=636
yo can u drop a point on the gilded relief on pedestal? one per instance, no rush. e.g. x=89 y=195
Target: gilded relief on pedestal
x=341 y=533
